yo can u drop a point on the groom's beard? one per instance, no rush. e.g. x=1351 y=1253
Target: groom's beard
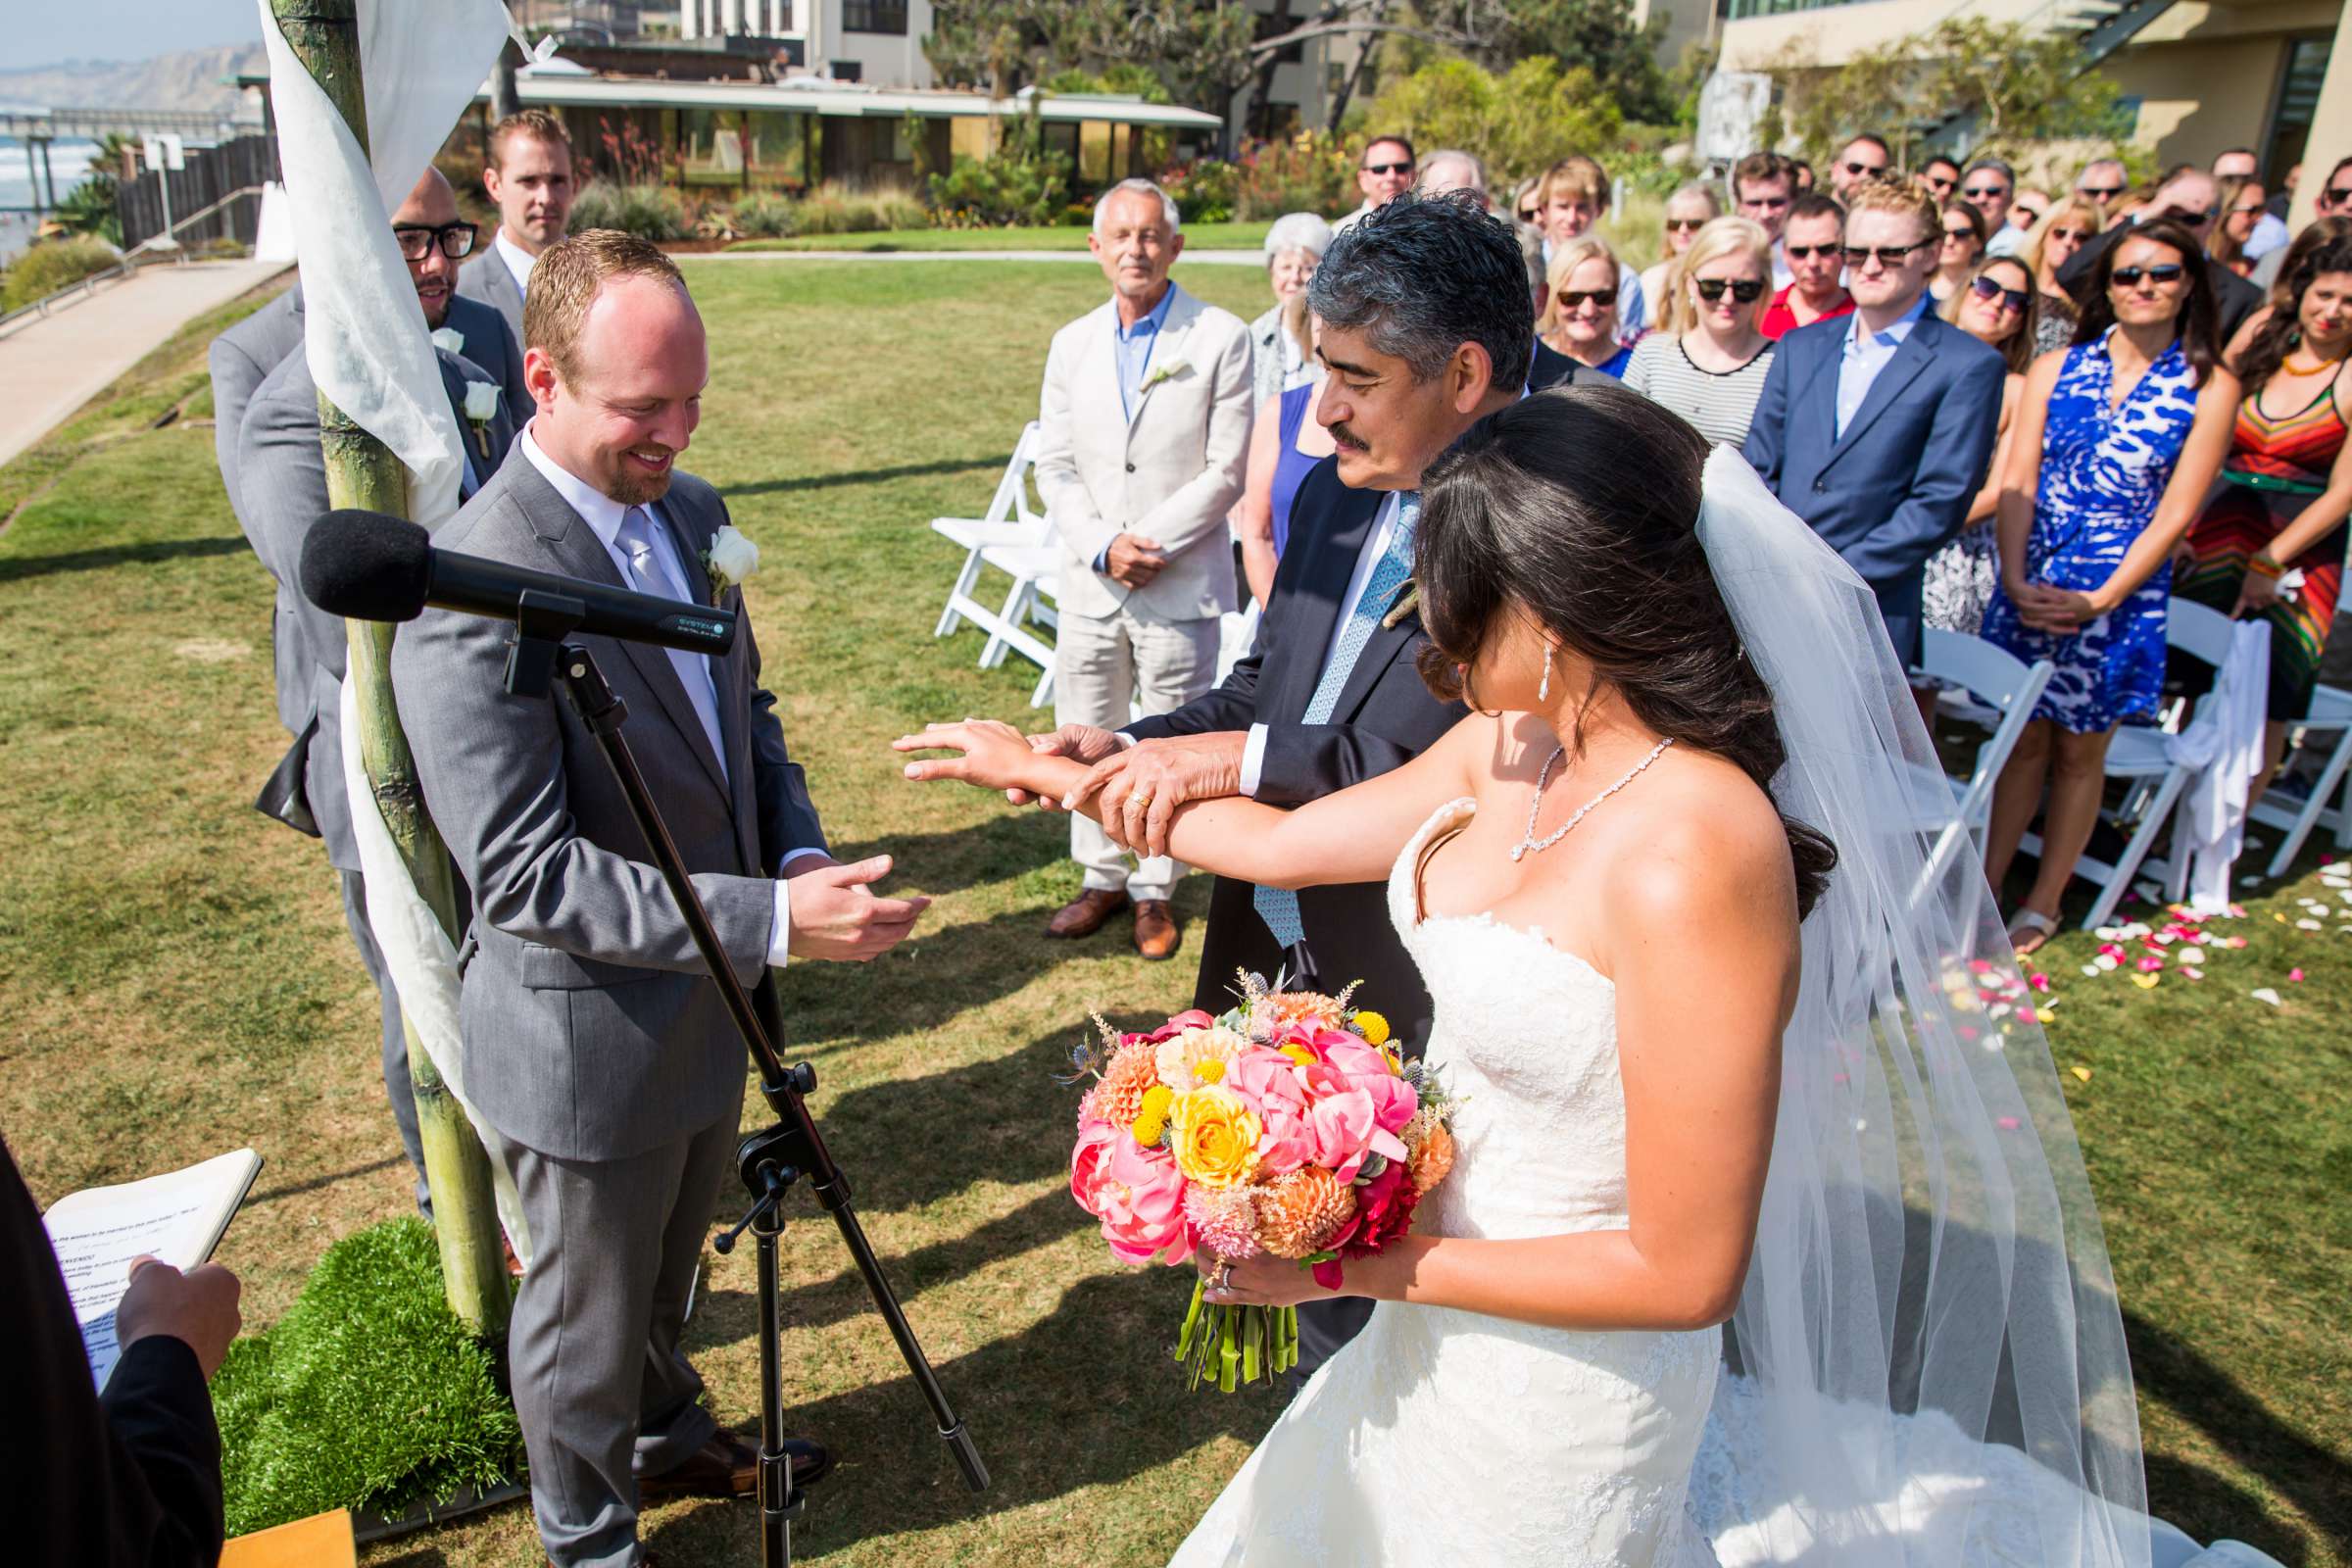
x=633 y=488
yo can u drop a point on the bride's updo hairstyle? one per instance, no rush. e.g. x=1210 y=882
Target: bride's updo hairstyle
x=1580 y=508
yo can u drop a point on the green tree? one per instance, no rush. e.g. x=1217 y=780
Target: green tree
x=1198 y=50
x=1599 y=36
x=1525 y=119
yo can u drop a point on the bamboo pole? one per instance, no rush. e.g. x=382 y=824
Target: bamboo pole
x=362 y=471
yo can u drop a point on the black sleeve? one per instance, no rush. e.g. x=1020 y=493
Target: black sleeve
x=132 y=1478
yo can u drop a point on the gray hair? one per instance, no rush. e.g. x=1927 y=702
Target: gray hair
x=1996 y=166
x=1297 y=231
x=1145 y=187
x=1425 y=274
x=1453 y=155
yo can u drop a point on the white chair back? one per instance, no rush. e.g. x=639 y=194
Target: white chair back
x=1996 y=677
x=1010 y=503
x=2198 y=630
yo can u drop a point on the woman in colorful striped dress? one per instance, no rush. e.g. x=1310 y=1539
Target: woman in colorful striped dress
x=2271 y=543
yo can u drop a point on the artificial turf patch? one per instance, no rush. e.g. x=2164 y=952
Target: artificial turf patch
x=368 y=1395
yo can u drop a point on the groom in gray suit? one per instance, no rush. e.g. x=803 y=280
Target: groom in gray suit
x=597 y=1049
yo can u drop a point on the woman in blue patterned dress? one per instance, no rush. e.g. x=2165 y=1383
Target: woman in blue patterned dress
x=2117 y=441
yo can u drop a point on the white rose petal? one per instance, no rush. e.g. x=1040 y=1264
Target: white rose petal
x=732 y=556
x=450 y=338
x=481 y=401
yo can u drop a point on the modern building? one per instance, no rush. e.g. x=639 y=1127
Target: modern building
x=849 y=41
x=2200 y=77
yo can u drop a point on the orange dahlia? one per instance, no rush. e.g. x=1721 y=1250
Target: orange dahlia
x=1119 y=1098
x=1428 y=1161
x=1298 y=1213
x=1282 y=1009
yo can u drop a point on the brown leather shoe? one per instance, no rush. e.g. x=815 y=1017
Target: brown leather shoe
x=1084 y=914
x=728 y=1466
x=1157 y=933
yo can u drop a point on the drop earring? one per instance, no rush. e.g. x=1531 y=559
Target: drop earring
x=1543 y=691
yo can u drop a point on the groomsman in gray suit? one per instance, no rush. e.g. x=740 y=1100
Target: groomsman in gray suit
x=528 y=180
x=1142 y=431
x=277 y=477
x=595 y=1046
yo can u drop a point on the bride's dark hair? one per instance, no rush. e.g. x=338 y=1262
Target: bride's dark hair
x=1581 y=506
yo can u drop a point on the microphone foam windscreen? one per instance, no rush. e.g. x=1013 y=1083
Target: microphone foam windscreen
x=366 y=566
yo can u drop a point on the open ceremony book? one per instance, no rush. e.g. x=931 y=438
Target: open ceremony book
x=176 y=1218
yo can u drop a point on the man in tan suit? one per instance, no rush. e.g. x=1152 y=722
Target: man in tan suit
x=1143 y=432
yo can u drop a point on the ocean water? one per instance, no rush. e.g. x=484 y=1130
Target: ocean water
x=68 y=160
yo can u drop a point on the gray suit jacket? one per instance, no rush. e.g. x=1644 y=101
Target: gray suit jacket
x=487 y=281
x=591 y=1030
x=284 y=483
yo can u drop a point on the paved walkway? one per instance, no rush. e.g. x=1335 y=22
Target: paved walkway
x=54 y=364
x=1216 y=257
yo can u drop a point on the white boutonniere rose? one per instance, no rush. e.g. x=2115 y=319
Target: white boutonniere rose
x=1165 y=372
x=450 y=338
x=729 y=560
x=482 y=407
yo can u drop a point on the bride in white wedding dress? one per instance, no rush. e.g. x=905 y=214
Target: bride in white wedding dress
x=1704 y=1074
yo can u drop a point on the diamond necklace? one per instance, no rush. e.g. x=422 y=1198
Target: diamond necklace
x=1528 y=844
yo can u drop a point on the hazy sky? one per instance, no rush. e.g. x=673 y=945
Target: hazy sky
x=43 y=34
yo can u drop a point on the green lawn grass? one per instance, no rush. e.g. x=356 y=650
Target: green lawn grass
x=177 y=981
x=1069 y=237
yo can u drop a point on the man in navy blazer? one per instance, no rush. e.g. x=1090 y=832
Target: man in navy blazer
x=1878 y=427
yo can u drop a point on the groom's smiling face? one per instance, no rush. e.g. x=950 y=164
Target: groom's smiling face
x=627 y=404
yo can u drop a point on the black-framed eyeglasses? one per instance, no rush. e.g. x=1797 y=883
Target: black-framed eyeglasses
x=2162 y=273
x=1404 y=167
x=417 y=240
x=2012 y=299
x=1979 y=193
x=2099 y=193
x=1746 y=291
x=1571 y=298
x=1800 y=253
x=2028 y=214
x=1686 y=225
x=1857 y=169
x=1883 y=255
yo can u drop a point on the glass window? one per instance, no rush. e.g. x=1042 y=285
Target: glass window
x=874 y=15
x=2298 y=100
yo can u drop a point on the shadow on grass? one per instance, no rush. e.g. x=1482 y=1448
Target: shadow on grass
x=22 y=569
x=2317 y=1479
x=328 y=1180
x=857 y=476
x=993 y=850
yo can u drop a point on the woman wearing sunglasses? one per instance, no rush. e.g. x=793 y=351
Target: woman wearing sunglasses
x=1580 y=306
x=1962 y=248
x=2238 y=201
x=2117 y=441
x=1688 y=211
x=2068 y=227
x=1997 y=308
x=1708 y=360
x=2271 y=543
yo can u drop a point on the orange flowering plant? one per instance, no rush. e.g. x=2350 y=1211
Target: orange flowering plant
x=1286 y=1126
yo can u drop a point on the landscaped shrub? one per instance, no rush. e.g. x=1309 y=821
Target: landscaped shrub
x=650 y=211
x=899 y=210
x=50 y=266
x=764 y=214
x=1206 y=191
x=1023 y=181
x=1310 y=173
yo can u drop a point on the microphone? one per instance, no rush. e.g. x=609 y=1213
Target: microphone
x=365 y=565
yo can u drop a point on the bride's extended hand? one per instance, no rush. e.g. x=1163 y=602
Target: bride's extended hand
x=989 y=754
x=1261 y=1281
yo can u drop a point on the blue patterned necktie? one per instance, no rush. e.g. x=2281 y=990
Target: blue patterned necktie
x=1279 y=906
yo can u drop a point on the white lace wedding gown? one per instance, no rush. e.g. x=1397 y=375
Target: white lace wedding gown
x=1442 y=1436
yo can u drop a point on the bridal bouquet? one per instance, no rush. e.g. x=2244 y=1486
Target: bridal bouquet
x=1284 y=1127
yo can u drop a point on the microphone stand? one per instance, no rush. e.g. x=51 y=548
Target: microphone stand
x=770 y=1160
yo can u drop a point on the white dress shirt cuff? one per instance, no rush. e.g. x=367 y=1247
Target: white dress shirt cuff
x=779 y=937
x=1253 y=760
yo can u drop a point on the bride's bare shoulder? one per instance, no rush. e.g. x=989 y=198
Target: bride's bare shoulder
x=1706 y=840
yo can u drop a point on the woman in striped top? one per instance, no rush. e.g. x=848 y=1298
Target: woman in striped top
x=1708 y=361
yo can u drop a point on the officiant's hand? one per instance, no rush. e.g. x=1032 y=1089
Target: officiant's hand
x=1142 y=787
x=1080 y=743
x=199 y=1308
x=836 y=915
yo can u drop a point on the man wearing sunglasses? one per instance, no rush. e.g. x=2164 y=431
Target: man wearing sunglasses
x=1941 y=176
x=1989 y=185
x=2102 y=181
x=1384 y=173
x=281 y=491
x=2187 y=197
x=1877 y=427
x=1814 y=242
x=2335 y=200
x=1866 y=157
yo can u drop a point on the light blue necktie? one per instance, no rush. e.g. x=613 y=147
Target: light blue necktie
x=635 y=537
x=1279 y=906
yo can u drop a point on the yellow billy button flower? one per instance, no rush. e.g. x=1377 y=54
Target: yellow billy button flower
x=1216 y=1137
x=1153 y=1119
x=1372 y=1026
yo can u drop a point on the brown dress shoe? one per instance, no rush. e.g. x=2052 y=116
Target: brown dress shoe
x=1084 y=914
x=1157 y=933
x=728 y=1466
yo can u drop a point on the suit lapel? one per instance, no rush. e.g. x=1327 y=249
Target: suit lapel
x=578 y=553
x=1335 y=540
x=1899 y=373
x=1167 y=348
x=691 y=531
x=1820 y=391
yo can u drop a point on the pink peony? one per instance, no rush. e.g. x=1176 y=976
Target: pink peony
x=1139 y=1197
x=1194 y=1018
x=1275 y=1086
x=1394 y=1101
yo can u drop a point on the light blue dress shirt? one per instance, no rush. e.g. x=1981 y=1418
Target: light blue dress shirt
x=1866 y=355
x=1131 y=349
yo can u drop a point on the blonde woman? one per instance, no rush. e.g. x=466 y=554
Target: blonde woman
x=1571 y=198
x=1708 y=360
x=1580 y=316
x=2067 y=227
x=1688 y=211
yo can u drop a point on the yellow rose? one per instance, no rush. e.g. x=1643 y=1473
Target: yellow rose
x=1214 y=1136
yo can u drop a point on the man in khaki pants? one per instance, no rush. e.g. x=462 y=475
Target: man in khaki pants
x=1143 y=432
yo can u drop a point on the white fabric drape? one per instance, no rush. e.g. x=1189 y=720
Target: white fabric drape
x=2225 y=743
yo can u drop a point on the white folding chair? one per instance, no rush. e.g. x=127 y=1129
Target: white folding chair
x=1010 y=524
x=1034 y=569
x=2141 y=755
x=2329 y=803
x=2008 y=687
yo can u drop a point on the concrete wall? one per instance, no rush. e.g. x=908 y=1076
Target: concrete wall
x=883 y=60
